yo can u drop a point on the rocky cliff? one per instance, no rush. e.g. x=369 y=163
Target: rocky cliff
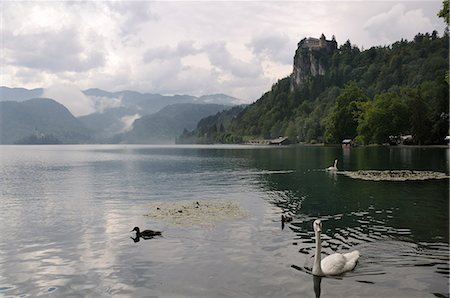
x=312 y=58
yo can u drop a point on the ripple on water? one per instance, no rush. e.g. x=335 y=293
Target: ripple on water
x=4 y=289
x=51 y=289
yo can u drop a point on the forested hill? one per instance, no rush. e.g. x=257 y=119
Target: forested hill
x=344 y=92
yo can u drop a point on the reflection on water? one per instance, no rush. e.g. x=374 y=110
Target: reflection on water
x=317 y=281
x=67 y=211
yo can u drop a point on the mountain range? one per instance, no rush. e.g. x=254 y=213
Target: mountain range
x=164 y=126
x=125 y=116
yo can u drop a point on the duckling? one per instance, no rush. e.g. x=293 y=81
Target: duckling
x=146 y=233
x=286 y=218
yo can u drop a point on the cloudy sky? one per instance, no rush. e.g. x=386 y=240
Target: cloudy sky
x=238 y=48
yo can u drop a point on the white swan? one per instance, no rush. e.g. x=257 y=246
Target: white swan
x=334 y=167
x=334 y=264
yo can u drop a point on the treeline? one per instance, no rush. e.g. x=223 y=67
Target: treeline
x=39 y=139
x=213 y=129
x=366 y=95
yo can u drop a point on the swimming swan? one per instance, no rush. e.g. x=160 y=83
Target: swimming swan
x=333 y=168
x=334 y=264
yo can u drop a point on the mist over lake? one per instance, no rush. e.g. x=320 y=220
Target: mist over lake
x=67 y=212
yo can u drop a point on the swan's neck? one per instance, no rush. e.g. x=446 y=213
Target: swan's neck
x=317 y=269
x=335 y=163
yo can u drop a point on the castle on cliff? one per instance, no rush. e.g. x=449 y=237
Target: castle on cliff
x=310 y=59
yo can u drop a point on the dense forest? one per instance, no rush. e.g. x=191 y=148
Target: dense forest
x=213 y=129
x=369 y=96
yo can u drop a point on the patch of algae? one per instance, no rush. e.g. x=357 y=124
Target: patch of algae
x=393 y=175
x=188 y=213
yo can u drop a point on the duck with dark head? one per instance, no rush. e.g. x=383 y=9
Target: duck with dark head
x=145 y=234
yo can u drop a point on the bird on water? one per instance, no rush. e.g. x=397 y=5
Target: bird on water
x=333 y=168
x=334 y=264
x=146 y=233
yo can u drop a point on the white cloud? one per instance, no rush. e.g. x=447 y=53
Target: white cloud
x=128 y=121
x=72 y=98
x=102 y=103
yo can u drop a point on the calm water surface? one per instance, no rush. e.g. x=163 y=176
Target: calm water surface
x=66 y=213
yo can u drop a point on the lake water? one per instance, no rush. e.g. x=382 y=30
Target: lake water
x=66 y=213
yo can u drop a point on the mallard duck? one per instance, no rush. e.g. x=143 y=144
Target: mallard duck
x=145 y=233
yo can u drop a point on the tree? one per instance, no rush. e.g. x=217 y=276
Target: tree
x=386 y=115
x=444 y=13
x=291 y=132
x=343 y=119
x=419 y=121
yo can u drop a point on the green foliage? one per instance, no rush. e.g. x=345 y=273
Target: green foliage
x=38 y=139
x=342 y=120
x=213 y=129
x=386 y=115
x=443 y=13
x=419 y=111
x=165 y=125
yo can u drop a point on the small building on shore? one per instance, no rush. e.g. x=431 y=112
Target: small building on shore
x=346 y=143
x=280 y=141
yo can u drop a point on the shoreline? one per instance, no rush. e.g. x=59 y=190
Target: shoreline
x=242 y=144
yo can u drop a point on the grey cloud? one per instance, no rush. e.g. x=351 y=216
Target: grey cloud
x=397 y=23
x=220 y=57
x=52 y=51
x=183 y=48
x=171 y=77
x=278 y=47
x=134 y=13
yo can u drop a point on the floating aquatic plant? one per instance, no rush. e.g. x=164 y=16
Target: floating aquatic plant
x=393 y=175
x=187 y=213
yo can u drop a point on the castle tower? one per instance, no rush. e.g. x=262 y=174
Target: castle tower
x=322 y=41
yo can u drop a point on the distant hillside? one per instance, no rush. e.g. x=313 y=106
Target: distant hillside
x=40 y=116
x=167 y=124
x=118 y=119
x=111 y=122
x=212 y=129
x=19 y=94
x=371 y=95
x=150 y=103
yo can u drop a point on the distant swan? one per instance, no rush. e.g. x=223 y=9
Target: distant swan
x=334 y=264
x=334 y=167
